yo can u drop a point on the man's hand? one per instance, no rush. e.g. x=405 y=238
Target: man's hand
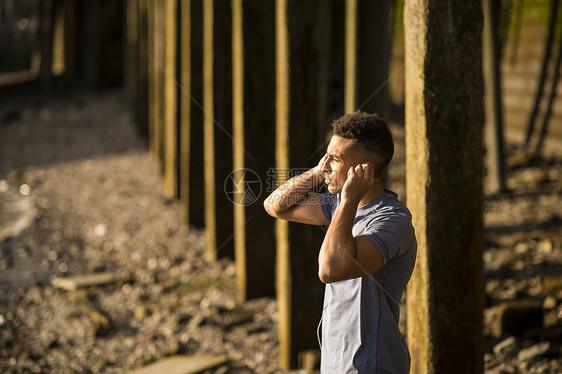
x=318 y=168
x=359 y=179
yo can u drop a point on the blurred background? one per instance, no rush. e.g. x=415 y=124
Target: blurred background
x=110 y=255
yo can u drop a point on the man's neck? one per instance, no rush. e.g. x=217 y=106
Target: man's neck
x=375 y=191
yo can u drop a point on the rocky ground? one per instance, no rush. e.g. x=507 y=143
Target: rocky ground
x=83 y=196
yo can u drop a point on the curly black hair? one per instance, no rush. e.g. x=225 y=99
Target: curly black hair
x=371 y=135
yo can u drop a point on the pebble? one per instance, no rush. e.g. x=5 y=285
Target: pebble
x=533 y=351
x=506 y=348
x=99 y=207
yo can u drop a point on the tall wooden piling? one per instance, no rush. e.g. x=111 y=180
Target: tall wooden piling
x=196 y=160
x=300 y=83
x=253 y=66
x=373 y=51
x=191 y=186
x=154 y=137
x=170 y=99
x=184 y=105
x=217 y=98
x=493 y=104
x=156 y=79
x=444 y=184
x=142 y=66
x=132 y=61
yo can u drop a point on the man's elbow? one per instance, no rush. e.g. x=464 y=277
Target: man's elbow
x=326 y=275
x=269 y=208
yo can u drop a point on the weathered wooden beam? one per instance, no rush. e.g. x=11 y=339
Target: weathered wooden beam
x=191 y=188
x=131 y=60
x=142 y=68
x=367 y=53
x=185 y=105
x=217 y=99
x=71 y=37
x=155 y=79
x=444 y=184
x=350 y=56
x=196 y=180
x=151 y=78
x=367 y=49
x=373 y=52
x=301 y=81
x=253 y=38
x=170 y=99
x=46 y=21
x=492 y=96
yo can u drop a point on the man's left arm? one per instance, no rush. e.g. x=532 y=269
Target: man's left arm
x=343 y=256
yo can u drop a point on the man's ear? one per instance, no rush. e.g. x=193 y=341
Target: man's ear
x=372 y=166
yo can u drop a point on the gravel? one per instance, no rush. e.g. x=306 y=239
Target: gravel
x=97 y=206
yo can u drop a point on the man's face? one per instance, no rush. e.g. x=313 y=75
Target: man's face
x=341 y=156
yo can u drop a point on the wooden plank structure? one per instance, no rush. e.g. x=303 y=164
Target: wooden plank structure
x=202 y=82
x=239 y=91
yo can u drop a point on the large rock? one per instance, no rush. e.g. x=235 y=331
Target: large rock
x=516 y=316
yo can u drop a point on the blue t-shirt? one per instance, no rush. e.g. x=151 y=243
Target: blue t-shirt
x=360 y=319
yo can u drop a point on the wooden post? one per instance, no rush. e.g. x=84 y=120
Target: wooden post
x=71 y=38
x=253 y=52
x=46 y=21
x=155 y=79
x=350 y=56
x=191 y=114
x=373 y=50
x=170 y=100
x=59 y=52
x=300 y=83
x=217 y=93
x=185 y=105
x=444 y=184
x=142 y=67
x=367 y=54
x=131 y=61
x=367 y=48
x=337 y=58
x=196 y=180
x=151 y=77
x=492 y=86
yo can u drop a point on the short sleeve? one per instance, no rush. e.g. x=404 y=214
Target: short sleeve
x=329 y=203
x=392 y=235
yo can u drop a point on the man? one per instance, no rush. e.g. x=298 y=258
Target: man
x=369 y=250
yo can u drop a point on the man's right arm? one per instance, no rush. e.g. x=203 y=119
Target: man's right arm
x=293 y=200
